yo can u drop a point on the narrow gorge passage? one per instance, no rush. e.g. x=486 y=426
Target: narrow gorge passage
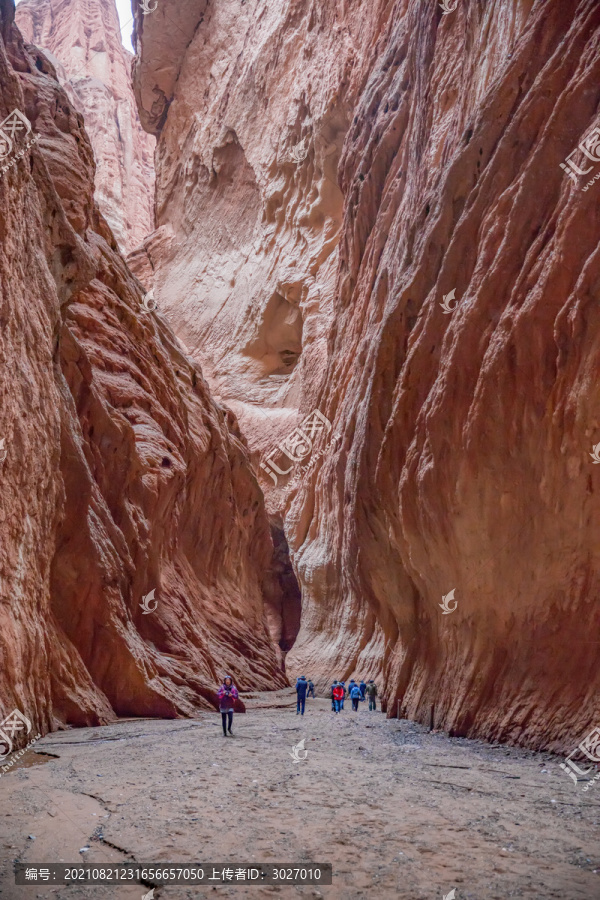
x=399 y=811
x=299 y=365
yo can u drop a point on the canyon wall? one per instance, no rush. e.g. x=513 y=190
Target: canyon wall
x=361 y=210
x=83 y=42
x=136 y=560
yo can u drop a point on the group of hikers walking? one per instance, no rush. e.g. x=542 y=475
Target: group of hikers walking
x=356 y=691
x=228 y=694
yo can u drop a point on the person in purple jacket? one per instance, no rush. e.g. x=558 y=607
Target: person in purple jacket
x=227 y=694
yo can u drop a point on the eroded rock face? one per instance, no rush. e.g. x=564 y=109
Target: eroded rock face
x=121 y=477
x=314 y=279
x=95 y=69
x=248 y=206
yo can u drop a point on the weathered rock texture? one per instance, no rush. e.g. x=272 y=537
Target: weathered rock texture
x=85 y=38
x=429 y=162
x=122 y=476
x=248 y=208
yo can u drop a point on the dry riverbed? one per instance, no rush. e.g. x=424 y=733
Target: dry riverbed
x=398 y=812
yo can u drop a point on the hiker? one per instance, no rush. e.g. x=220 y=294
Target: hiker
x=355 y=696
x=334 y=685
x=301 y=689
x=311 y=689
x=363 y=688
x=372 y=694
x=343 y=684
x=338 y=696
x=351 y=684
x=227 y=694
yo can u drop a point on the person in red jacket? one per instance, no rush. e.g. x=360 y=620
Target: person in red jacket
x=227 y=694
x=338 y=694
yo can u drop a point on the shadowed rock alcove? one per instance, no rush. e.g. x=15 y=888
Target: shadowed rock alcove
x=278 y=345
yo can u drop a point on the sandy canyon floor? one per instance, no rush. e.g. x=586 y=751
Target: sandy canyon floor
x=399 y=812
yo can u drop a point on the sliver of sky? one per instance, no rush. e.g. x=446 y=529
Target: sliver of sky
x=125 y=19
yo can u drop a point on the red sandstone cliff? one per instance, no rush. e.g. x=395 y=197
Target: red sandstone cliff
x=84 y=37
x=327 y=174
x=121 y=476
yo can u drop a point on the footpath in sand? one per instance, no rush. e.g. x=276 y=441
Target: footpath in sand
x=398 y=812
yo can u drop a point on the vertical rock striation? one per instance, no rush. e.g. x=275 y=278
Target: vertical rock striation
x=95 y=69
x=121 y=476
x=427 y=162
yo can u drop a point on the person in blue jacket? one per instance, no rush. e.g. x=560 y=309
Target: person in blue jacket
x=355 y=696
x=301 y=689
x=363 y=688
x=343 y=686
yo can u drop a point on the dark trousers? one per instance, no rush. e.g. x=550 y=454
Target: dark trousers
x=300 y=703
x=311 y=692
x=224 y=717
x=372 y=703
x=355 y=702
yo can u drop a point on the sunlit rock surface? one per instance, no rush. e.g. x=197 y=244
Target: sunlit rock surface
x=84 y=36
x=121 y=479
x=327 y=174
